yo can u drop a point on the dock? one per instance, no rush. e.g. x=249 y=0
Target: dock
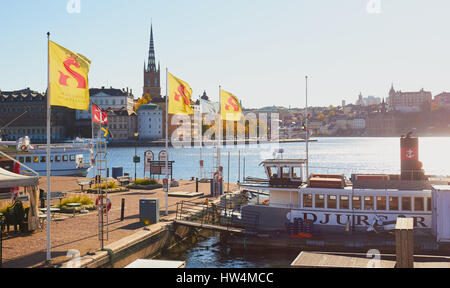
x=218 y=228
x=150 y=263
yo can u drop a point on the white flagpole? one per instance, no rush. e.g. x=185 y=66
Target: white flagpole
x=167 y=141
x=49 y=111
x=219 y=136
x=307 y=131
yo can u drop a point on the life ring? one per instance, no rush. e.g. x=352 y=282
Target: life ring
x=266 y=202
x=106 y=206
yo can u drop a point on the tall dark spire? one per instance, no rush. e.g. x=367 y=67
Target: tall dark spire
x=151 y=53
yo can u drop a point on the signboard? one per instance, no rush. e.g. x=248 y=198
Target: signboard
x=163 y=155
x=148 y=157
x=137 y=159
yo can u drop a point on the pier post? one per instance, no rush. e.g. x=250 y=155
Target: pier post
x=404 y=240
x=196 y=184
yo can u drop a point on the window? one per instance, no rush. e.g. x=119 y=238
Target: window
x=357 y=203
x=307 y=200
x=344 y=202
x=273 y=172
x=65 y=158
x=320 y=201
x=28 y=159
x=21 y=159
x=296 y=173
x=51 y=158
x=72 y=158
x=58 y=158
x=43 y=159
x=368 y=203
x=332 y=202
x=381 y=203
x=419 y=204
x=393 y=204
x=285 y=172
x=429 y=204
x=406 y=203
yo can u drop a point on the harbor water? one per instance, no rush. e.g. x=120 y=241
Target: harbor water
x=327 y=155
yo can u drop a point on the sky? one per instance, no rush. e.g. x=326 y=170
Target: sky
x=260 y=50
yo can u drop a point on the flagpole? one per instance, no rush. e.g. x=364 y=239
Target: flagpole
x=219 y=136
x=307 y=131
x=167 y=141
x=49 y=110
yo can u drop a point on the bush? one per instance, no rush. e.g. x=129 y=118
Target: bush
x=111 y=185
x=84 y=201
x=145 y=182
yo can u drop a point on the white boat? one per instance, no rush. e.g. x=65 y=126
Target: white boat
x=66 y=159
x=333 y=203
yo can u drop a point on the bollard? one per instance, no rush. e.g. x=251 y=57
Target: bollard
x=122 y=210
x=196 y=184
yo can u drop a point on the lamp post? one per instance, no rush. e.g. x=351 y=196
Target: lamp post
x=136 y=135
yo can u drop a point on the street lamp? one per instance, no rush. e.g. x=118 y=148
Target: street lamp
x=136 y=160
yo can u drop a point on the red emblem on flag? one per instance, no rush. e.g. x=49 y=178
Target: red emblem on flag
x=99 y=115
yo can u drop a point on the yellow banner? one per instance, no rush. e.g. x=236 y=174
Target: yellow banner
x=179 y=97
x=231 y=109
x=68 y=78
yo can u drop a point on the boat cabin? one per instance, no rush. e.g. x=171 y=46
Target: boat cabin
x=284 y=173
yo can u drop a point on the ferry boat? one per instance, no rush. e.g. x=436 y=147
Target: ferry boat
x=365 y=202
x=66 y=159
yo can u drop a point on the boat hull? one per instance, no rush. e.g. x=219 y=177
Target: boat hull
x=66 y=172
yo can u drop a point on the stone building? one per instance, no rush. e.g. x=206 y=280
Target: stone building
x=408 y=101
x=33 y=122
x=150 y=122
x=122 y=123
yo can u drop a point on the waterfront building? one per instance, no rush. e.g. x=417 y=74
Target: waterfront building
x=381 y=124
x=408 y=101
x=150 y=122
x=122 y=123
x=34 y=122
x=442 y=100
x=358 y=124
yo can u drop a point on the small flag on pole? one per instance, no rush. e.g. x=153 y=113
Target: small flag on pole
x=179 y=96
x=107 y=132
x=99 y=115
x=231 y=110
x=68 y=78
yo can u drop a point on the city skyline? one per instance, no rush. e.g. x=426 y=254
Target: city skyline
x=261 y=54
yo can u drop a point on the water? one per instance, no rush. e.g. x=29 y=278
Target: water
x=328 y=155
x=203 y=254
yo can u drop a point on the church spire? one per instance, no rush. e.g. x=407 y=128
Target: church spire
x=151 y=53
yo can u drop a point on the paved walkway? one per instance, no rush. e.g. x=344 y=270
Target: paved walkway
x=80 y=233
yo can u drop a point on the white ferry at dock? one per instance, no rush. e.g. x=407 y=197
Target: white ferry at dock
x=66 y=159
x=362 y=203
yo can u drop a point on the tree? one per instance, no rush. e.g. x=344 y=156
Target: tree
x=142 y=101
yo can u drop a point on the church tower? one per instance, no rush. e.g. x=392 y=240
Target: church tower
x=151 y=74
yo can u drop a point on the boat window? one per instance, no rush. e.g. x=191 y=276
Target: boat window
x=296 y=173
x=43 y=159
x=58 y=158
x=344 y=202
x=21 y=159
x=285 y=172
x=307 y=200
x=381 y=203
x=51 y=158
x=28 y=159
x=273 y=172
x=406 y=203
x=36 y=159
x=332 y=202
x=419 y=204
x=393 y=204
x=356 y=203
x=65 y=158
x=72 y=158
x=429 y=204
x=320 y=201
x=368 y=203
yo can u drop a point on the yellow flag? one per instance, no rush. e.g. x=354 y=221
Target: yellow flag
x=68 y=78
x=231 y=109
x=179 y=97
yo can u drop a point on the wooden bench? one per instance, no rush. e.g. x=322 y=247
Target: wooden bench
x=83 y=183
x=53 y=195
x=124 y=180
